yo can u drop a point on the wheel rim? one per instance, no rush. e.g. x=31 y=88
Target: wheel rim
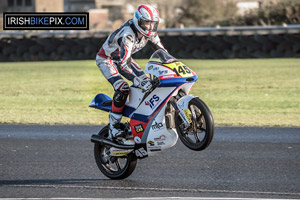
x=112 y=164
x=196 y=133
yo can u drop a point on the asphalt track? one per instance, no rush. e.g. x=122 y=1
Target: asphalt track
x=57 y=161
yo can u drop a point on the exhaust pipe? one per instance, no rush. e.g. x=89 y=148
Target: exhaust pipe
x=103 y=141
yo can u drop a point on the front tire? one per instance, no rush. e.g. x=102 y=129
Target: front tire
x=200 y=133
x=112 y=166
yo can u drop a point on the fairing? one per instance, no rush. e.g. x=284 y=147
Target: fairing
x=147 y=115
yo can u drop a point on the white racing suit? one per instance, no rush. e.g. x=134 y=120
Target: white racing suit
x=114 y=58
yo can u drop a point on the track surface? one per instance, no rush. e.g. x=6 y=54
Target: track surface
x=57 y=161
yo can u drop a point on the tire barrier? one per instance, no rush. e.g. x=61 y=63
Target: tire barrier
x=43 y=47
x=223 y=47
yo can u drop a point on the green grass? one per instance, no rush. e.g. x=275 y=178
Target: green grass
x=252 y=92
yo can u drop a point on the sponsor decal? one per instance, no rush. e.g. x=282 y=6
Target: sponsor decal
x=157 y=126
x=139 y=128
x=151 y=143
x=160 y=138
x=160 y=143
x=154 y=147
x=161 y=72
x=169 y=76
x=119 y=153
x=137 y=140
x=187 y=114
x=150 y=67
x=153 y=102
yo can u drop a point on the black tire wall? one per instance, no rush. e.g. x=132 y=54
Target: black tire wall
x=207 y=46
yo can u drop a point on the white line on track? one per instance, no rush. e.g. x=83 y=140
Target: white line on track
x=144 y=198
x=159 y=189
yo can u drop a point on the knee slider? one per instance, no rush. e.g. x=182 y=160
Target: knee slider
x=120 y=98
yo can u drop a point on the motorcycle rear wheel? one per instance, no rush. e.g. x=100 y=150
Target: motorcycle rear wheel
x=113 y=167
x=201 y=131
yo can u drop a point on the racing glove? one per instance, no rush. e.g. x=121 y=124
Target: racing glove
x=143 y=82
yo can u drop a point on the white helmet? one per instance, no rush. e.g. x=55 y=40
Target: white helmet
x=146 y=19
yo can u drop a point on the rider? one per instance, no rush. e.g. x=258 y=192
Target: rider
x=114 y=58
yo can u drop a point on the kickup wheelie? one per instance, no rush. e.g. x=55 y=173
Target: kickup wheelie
x=157 y=118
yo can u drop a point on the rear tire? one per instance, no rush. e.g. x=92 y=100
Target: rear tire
x=201 y=131
x=111 y=166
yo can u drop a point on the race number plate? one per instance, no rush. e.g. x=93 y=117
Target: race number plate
x=140 y=150
x=180 y=69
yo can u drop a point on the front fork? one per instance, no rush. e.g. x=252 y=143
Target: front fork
x=182 y=109
x=181 y=114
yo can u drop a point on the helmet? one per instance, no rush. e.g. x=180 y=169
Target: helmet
x=146 y=19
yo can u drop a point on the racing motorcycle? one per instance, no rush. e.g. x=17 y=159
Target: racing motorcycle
x=157 y=117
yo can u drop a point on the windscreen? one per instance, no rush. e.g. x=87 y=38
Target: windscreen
x=162 y=57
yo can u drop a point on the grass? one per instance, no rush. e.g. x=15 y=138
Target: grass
x=250 y=92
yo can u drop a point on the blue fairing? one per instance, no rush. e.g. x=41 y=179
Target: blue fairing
x=171 y=82
x=99 y=99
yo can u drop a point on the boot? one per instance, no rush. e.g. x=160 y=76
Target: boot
x=114 y=125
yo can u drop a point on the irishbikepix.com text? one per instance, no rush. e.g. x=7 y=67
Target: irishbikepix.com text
x=45 y=21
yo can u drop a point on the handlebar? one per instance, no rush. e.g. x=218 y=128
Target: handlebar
x=155 y=81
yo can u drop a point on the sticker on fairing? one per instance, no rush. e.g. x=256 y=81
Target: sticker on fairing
x=139 y=128
x=180 y=69
x=187 y=114
x=137 y=140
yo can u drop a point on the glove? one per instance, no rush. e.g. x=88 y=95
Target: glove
x=143 y=82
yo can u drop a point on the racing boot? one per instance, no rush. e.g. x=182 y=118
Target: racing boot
x=114 y=125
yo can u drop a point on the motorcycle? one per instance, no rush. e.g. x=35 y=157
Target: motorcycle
x=157 y=117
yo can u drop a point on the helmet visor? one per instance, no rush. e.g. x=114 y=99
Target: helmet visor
x=148 y=25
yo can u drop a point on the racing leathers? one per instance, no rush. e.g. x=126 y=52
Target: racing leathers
x=114 y=59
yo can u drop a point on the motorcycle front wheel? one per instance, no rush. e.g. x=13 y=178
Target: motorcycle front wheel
x=200 y=133
x=114 y=167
